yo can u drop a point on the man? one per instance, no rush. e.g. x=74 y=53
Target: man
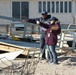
x=44 y=19
x=53 y=29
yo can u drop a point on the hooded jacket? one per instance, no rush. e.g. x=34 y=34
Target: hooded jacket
x=45 y=21
x=51 y=37
x=40 y=19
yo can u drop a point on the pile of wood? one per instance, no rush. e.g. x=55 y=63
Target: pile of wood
x=68 y=51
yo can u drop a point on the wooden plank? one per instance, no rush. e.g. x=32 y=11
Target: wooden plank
x=10 y=47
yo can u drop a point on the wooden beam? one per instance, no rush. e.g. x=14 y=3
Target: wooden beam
x=10 y=48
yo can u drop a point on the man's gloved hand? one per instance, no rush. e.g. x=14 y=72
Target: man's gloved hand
x=37 y=22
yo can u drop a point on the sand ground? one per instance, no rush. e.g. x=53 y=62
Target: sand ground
x=66 y=66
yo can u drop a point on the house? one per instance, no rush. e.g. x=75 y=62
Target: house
x=65 y=10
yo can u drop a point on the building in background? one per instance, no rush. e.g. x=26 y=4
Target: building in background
x=65 y=10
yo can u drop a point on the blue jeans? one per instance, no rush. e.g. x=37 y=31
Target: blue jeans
x=52 y=54
x=42 y=45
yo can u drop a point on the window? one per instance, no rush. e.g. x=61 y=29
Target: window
x=40 y=6
x=70 y=7
x=57 y=7
x=75 y=6
x=16 y=9
x=24 y=10
x=20 y=10
x=44 y=6
x=53 y=7
x=65 y=7
x=48 y=6
x=61 y=7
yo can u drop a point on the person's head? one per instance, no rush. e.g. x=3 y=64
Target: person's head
x=44 y=15
x=53 y=20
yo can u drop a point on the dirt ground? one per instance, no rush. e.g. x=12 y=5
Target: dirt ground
x=66 y=66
